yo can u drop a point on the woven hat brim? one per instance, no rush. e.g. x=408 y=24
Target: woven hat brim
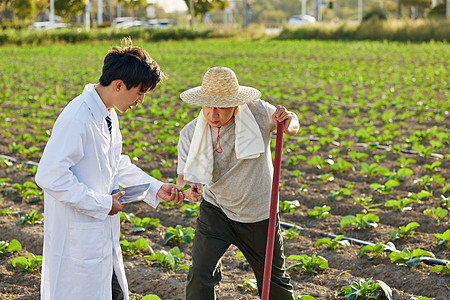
x=244 y=95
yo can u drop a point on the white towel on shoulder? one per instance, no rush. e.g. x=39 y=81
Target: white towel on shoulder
x=200 y=161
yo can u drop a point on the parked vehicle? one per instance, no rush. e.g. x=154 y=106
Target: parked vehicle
x=298 y=20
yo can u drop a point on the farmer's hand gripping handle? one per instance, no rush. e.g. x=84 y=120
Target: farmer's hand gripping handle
x=273 y=212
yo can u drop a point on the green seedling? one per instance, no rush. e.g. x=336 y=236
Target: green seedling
x=9 y=247
x=366 y=203
x=400 y=204
x=133 y=249
x=443 y=238
x=404 y=231
x=9 y=212
x=299 y=297
x=386 y=188
x=403 y=162
x=436 y=212
x=289 y=206
x=167 y=259
x=426 y=181
x=445 y=201
x=411 y=259
x=338 y=195
x=419 y=196
x=150 y=297
x=433 y=167
x=372 y=169
x=336 y=243
x=319 y=212
x=357 y=156
x=125 y=216
x=360 y=221
x=298 y=174
x=439 y=268
x=291 y=232
x=375 y=250
x=185 y=187
x=313 y=149
x=30 y=264
x=249 y=285
x=341 y=165
x=179 y=234
x=33 y=218
x=309 y=264
x=367 y=289
x=327 y=177
x=295 y=160
x=316 y=161
x=140 y=225
x=191 y=210
x=402 y=174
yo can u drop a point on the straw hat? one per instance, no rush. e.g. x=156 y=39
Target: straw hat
x=220 y=88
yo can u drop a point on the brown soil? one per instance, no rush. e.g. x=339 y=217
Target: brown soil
x=345 y=266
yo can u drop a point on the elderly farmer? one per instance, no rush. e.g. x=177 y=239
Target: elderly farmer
x=227 y=148
x=80 y=167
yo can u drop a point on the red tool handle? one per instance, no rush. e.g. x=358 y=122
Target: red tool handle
x=273 y=212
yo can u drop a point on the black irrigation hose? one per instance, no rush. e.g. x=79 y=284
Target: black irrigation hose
x=430 y=261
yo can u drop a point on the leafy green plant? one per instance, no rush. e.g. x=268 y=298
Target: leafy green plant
x=372 y=169
x=9 y=211
x=333 y=195
x=319 y=212
x=436 y=212
x=403 y=162
x=360 y=221
x=439 y=268
x=309 y=264
x=341 y=165
x=166 y=259
x=426 y=181
x=366 y=289
x=357 y=156
x=289 y=206
x=132 y=249
x=150 y=297
x=295 y=159
x=316 y=161
x=300 y=297
x=191 y=210
x=411 y=259
x=443 y=238
x=400 y=204
x=375 y=250
x=386 y=188
x=433 y=167
x=143 y=224
x=33 y=217
x=336 y=243
x=179 y=234
x=291 y=232
x=30 y=264
x=249 y=285
x=9 y=247
x=327 y=177
x=125 y=216
x=404 y=231
x=366 y=203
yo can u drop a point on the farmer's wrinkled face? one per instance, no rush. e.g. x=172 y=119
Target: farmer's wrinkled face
x=218 y=116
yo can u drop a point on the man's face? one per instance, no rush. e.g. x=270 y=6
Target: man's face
x=127 y=99
x=218 y=116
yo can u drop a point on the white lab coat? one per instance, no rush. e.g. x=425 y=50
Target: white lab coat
x=80 y=166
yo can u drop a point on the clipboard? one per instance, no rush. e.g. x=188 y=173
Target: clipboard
x=134 y=193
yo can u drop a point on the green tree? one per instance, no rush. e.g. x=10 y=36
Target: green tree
x=203 y=6
x=24 y=9
x=69 y=8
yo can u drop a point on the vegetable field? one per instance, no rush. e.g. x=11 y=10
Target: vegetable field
x=371 y=162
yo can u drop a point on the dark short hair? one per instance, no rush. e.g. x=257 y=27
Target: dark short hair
x=133 y=65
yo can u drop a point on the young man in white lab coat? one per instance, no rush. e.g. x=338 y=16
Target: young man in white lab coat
x=80 y=167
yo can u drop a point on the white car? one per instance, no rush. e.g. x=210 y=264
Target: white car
x=299 y=20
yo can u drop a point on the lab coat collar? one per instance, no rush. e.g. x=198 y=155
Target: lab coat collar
x=95 y=103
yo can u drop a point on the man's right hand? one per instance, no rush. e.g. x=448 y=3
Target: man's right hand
x=194 y=194
x=116 y=206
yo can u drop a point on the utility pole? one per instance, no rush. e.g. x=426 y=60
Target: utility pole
x=99 y=12
x=303 y=7
x=360 y=10
x=87 y=15
x=191 y=11
x=52 y=12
